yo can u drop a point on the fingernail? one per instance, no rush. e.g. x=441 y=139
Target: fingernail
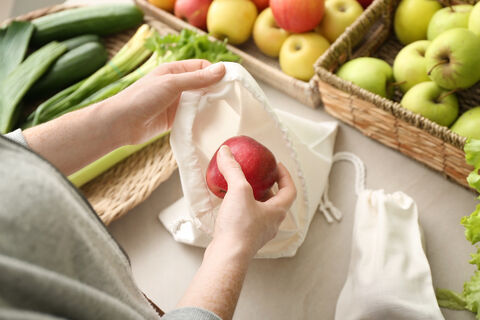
x=225 y=151
x=216 y=69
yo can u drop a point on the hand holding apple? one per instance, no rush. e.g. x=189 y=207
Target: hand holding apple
x=267 y=35
x=193 y=11
x=339 y=14
x=299 y=53
x=256 y=161
x=231 y=19
x=297 y=16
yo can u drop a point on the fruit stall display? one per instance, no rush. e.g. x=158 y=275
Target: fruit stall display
x=63 y=58
x=406 y=74
x=278 y=40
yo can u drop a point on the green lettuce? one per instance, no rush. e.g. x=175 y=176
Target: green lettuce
x=469 y=299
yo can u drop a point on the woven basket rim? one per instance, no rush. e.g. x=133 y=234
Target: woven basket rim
x=351 y=37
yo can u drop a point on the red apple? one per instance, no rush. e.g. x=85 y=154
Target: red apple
x=193 y=11
x=365 y=3
x=261 y=4
x=257 y=162
x=297 y=16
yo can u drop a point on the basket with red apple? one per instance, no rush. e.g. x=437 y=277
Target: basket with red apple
x=414 y=106
x=277 y=40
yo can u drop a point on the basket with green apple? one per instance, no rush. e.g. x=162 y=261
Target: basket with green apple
x=407 y=73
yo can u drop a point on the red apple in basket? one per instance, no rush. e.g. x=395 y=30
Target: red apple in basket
x=261 y=4
x=297 y=15
x=193 y=11
x=365 y=3
x=257 y=163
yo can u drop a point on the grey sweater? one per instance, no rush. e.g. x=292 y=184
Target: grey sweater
x=57 y=260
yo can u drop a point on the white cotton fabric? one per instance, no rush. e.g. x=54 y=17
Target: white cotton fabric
x=389 y=275
x=237 y=106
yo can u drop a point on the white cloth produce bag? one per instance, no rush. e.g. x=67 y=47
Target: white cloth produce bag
x=389 y=275
x=237 y=106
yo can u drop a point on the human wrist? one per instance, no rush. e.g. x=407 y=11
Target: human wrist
x=110 y=123
x=228 y=248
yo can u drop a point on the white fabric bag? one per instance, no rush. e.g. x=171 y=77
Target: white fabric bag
x=237 y=106
x=389 y=275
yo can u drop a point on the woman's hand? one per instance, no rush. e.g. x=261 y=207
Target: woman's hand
x=243 y=226
x=242 y=221
x=135 y=115
x=148 y=106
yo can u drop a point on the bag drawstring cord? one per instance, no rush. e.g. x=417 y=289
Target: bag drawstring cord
x=326 y=207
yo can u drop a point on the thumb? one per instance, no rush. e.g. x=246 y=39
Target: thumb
x=229 y=167
x=200 y=78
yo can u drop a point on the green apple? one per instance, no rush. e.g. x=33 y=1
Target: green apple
x=412 y=18
x=410 y=65
x=474 y=20
x=449 y=18
x=372 y=74
x=231 y=19
x=267 y=35
x=468 y=124
x=453 y=59
x=432 y=102
x=339 y=14
x=299 y=52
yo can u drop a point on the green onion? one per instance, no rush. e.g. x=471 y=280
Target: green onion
x=127 y=59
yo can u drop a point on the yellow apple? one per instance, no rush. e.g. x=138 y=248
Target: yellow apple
x=163 y=4
x=412 y=18
x=231 y=19
x=267 y=35
x=299 y=52
x=339 y=14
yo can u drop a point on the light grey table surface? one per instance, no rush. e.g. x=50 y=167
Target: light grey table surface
x=306 y=286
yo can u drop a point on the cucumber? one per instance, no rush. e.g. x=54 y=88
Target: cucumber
x=71 y=67
x=78 y=41
x=98 y=19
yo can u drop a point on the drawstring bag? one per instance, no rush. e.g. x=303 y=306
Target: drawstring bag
x=389 y=276
x=237 y=106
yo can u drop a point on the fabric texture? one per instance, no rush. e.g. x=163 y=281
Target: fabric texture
x=18 y=137
x=237 y=106
x=57 y=260
x=389 y=275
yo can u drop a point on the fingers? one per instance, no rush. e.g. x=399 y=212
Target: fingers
x=181 y=66
x=287 y=191
x=229 y=167
x=197 y=79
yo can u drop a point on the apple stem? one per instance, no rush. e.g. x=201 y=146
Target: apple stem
x=450 y=5
x=436 y=65
x=446 y=94
x=396 y=84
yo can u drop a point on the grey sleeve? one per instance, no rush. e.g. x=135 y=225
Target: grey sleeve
x=190 y=313
x=18 y=137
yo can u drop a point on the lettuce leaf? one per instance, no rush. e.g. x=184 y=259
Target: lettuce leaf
x=472 y=156
x=450 y=299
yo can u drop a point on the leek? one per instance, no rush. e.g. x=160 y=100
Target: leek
x=17 y=83
x=13 y=45
x=127 y=59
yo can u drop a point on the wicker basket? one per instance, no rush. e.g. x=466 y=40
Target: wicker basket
x=131 y=181
x=383 y=119
x=259 y=65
